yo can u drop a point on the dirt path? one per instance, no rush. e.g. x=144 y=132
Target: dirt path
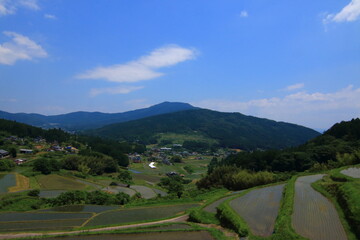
x=182 y=218
x=314 y=216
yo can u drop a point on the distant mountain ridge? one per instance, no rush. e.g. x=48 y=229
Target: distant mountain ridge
x=76 y=121
x=228 y=129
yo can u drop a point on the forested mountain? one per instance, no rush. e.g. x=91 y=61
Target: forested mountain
x=228 y=129
x=86 y=120
x=338 y=146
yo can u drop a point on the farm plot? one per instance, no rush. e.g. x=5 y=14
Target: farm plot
x=118 y=189
x=352 y=172
x=41 y=225
x=259 y=208
x=314 y=216
x=54 y=181
x=6 y=181
x=40 y=216
x=50 y=193
x=138 y=214
x=178 y=235
x=80 y=208
x=15 y=221
x=145 y=192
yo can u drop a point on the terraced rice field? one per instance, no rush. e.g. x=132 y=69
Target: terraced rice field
x=54 y=181
x=138 y=214
x=314 y=215
x=50 y=193
x=352 y=172
x=6 y=181
x=81 y=208
x=145 y=192
x=117 y=189
x=259 y=208
x=179 y=235
x=15 y=221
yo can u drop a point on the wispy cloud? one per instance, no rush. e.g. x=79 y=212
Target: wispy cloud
x=317 y=110
x=244 y=14
x=294 y=87
x=50 y=16
x=349 y=13
x=116 y=90
x=19 y=48
x=143 y=68
x=10 y=6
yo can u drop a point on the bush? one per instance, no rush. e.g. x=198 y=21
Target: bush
x=34 y=193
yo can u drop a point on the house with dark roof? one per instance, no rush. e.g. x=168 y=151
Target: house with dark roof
x=3 y=153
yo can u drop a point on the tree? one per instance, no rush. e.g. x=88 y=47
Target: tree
x=176 y=159
x=125 y=177
x=13 y=152
x=6 y=165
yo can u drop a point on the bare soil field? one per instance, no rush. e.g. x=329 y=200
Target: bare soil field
x=259 y=208
x=314 y=216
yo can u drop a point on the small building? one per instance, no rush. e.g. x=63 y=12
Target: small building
x=19 y=161
x=26 y=151
x=3 y=153
x=165 y=149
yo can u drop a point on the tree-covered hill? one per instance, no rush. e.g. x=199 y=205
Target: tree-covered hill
x=85 y=120
x=229 y=129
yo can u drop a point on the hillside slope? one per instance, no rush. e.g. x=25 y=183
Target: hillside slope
x=229 y=129
x=85 y=120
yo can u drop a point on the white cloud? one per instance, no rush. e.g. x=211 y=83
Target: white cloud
x=294 y=87
x=10 y=6
x=19 y=48
x=143 y=68
x=244 y=14
x=116 y=90
x=349 y=13
x=317 y=110
x=49 y=16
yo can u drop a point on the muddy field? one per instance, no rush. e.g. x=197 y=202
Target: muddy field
x=314 y=215
x=259 y=208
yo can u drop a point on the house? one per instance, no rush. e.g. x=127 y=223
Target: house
x=136 y=158
x=26 y=151
x=19 y=161
x=3 y=153
x=165 y=149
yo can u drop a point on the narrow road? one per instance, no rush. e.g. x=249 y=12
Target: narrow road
x=182 y=218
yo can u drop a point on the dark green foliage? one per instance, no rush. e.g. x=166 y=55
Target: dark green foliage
x=95 y=197
x=174 y=185
x=196 y=146
x=46 y=165
x=229 y=129
x=176 y=159
x=335 y=148
x=34 y=193
x=125 y=176
x=235 y=178
x=93 y=163
x=6 y=165
x=13 y=152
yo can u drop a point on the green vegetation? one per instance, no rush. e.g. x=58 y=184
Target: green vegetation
x=235 y=178
x=228 y=129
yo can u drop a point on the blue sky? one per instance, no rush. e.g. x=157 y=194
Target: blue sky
x=296 y=61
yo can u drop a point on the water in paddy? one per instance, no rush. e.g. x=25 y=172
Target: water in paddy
x=6 y=181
